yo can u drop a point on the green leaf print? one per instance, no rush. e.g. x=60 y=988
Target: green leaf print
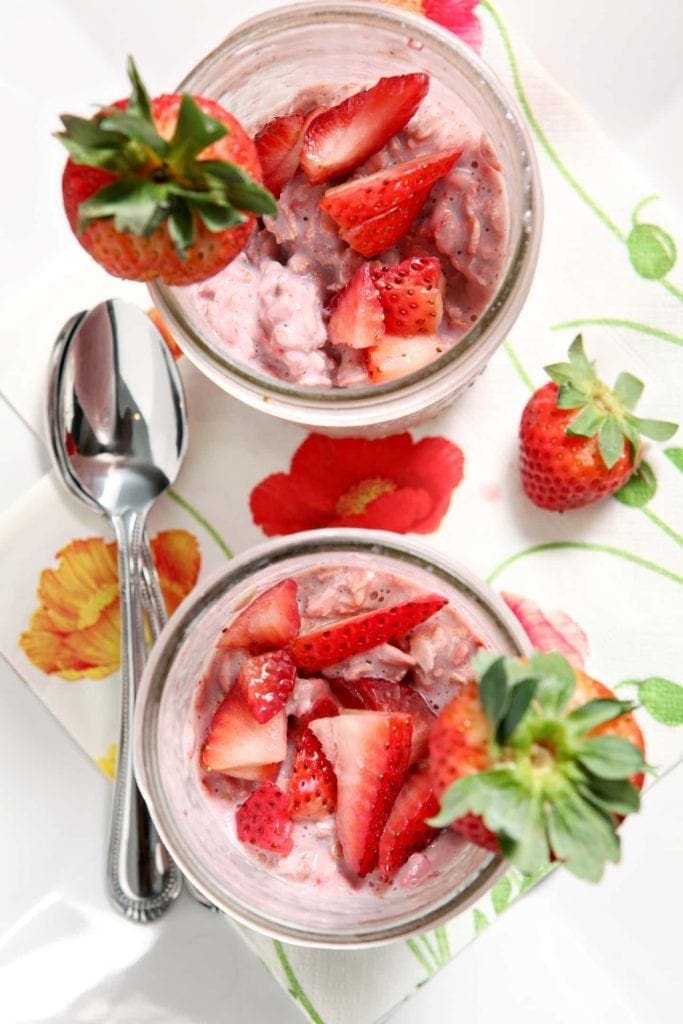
x=651 y=251
x=641 y=487
x=675 y=455
x=661 y=698
x=481 y=921
x=500 y=894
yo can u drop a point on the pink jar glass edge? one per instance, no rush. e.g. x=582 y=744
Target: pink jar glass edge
x=274 y=557
x=381 y=408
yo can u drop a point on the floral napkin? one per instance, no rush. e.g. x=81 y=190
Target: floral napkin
x=607 y=268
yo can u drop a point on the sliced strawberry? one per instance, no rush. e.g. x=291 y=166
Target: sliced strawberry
x=361 y=199
x=357 y=318
x=376 y=235
x=267 y=681
x=343 y=136
x=278 y=145
x=396 y=356
x=264 y=820
x=270 y=621
x=406 y=831
x=411 y=294
x=312 y=784
x=338 y=640
x=370 y=752
x=326 y=707
x=385 y=695
x=236 y=742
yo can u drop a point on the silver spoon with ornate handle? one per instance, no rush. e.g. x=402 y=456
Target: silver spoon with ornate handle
x=121 y=420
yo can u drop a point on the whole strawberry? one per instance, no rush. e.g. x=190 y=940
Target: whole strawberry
x=161 y=188
x=537 y=760
x=579 y=439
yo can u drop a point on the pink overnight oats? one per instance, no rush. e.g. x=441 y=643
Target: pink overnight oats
x=302 y=305
x=297 y=790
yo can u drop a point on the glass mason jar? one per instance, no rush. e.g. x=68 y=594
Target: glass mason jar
x=263 y=65
x=164 y=745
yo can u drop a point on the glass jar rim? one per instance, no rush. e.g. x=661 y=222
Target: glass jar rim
x=237 y=572
x=478 y=343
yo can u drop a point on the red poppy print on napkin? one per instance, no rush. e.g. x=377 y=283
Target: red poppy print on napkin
x=392 y=483
x=457 y=15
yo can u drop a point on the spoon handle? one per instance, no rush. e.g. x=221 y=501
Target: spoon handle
x=142 y=879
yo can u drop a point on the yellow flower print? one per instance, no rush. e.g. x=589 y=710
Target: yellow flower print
x=74 y=633
x=107 y=764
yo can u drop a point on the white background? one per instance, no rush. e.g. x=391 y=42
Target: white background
x=569 y=951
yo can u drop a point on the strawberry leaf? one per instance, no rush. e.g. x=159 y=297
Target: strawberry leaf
x=556 y=680
x=616 y=796
x=610 y=442
x=136 y=130
x=529 y=852
x=139 y=102
x=494 y=693
x=217 y=217
x=595 y=712
x=194 y=131
x=610 y=757
x=88 y=143
x=520 y=699
x=181 y=227
x=136 y=205
x=628 y=389
x=656 y=430
x=582 y=836
x=588 y=422
x=640 y=488
x=568 y=397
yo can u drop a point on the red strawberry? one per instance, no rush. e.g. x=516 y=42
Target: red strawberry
x=361 y=199
x=278 y=145
x=326 y=707
x=537 y=760
x=370 y=752
x=377 y=234
x=267 y=681
x=579 y=440
x=338 y=640
x=312 y=785
x=342 y=137
x=384 y=695
x=166 y=188
x=396 y=356
x=264 y=820
x=357 y=318
x=269 y=621
x=411 y=295
x=406 y=832
x=236 y=743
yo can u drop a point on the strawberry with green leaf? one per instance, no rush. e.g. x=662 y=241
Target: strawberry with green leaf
x=538 y=760
x=163 y=188
x=579 y=439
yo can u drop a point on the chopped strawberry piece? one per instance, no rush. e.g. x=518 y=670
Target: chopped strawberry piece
x=235 y=739
x=256 y=772
x=385 y=695
x=411 y=294
x=357 y=318
x=370 y=752
x=264 y=820
x=377 y=234
x=396 y=356
x=338 y=640
x=406 y=831
x=313 y=784
x=326 y=707
x=267 y=681
x=278 y=145
x=342 y=137
x=270 y=621
x=362 y=199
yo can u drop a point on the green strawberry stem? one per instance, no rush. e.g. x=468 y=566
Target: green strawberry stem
x=159 y=180
x=551 y=786
x=603 y=411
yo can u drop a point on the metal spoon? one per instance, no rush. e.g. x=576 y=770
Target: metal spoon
x=152 y=597
x=121 y=420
